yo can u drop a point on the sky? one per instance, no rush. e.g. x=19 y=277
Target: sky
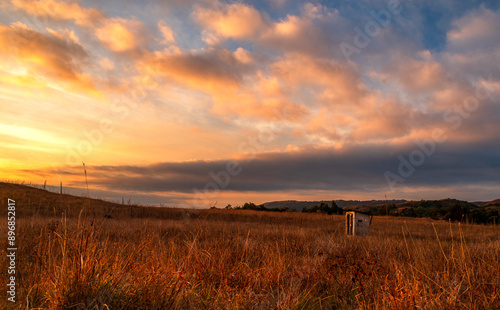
x=201 y=103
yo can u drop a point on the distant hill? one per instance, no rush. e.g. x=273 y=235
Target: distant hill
x=486 y=203
x=295 y=205
x=445 y=209
x=495 y=202
x=396 y=208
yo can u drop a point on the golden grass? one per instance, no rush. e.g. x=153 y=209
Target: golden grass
x=234 y=259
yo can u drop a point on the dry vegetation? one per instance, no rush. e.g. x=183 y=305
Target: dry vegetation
x=152 y=258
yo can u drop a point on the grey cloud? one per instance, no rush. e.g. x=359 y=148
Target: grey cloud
x=352 y=168
x=212 y=66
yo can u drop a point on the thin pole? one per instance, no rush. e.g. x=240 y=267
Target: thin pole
x=86 y=182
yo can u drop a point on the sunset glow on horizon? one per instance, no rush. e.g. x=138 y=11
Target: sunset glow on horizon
x=192 y=103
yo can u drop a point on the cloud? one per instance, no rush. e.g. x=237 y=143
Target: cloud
x=117 y=34
x=233 y=21
x=122 y=35
x=55 y=57
x=167 y=33
x=64 y=34
x=317 y=11
x=311 y=32
x=229 y=77
x=472 y=45
x=315 y=33
x=477 y=30
x=205 y=70
x=243 y=55
x=353 y=167
x=334 y=82
x=59 y=10
x=324 y=101
x=382 y=120
x=420 y=73
x=106 y=64
x=343 y=107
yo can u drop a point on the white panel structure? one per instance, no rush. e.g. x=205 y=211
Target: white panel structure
x=357 y=223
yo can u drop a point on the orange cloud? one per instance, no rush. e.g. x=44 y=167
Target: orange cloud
x=48 y=56
x=122 y=35
x=331 y=82
x=243 y=55
x=117 y=34
x=228 y=78
x=302 y=34
x=418 y=74
x=288 y=28
x=60 y=10
x=167 y=33
x=107 y=64
x=323 y=126
x=204 y=71
x=246 y=103
x=342 y=108
x=237 y=21
x=381 y=120
x=449 y=96
x=64 y=34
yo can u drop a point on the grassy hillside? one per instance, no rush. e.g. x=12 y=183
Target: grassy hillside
x=72 y=256
x=42 y=203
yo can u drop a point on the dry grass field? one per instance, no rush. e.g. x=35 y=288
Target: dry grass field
x=72 y=256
